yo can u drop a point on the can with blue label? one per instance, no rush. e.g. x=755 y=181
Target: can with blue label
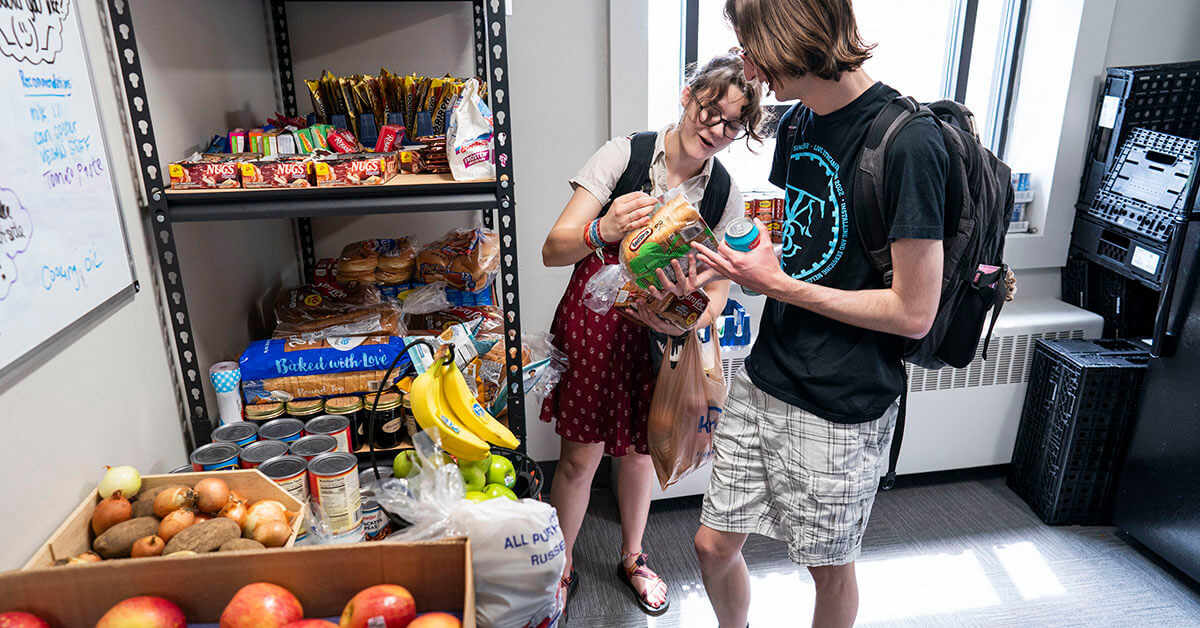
x=286 y=430
x=240 y=433
x=215 y=457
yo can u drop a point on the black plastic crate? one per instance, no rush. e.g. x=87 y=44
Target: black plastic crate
x=1127 y=306
x=1162 y=98
x=1079 y=409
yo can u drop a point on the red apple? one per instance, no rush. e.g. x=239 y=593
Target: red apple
x=311 y=623
x=380 y=606
x=261 y=605
x=16 y=619
x=436 y=620
x=143 y=612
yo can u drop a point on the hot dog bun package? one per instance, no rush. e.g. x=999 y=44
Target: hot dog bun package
x=465 y=259
x=674 y=226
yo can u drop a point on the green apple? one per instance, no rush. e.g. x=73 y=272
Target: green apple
x=500 y=471
x=405 y=463
x=477 y=496
x=474 y=477
x=499 y=490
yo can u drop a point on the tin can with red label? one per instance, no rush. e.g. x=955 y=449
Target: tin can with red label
x=261 y=451
x=331 y=425
x=290 y=473
x=333 y=480
x=310 y=447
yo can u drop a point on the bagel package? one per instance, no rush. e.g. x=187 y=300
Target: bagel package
x=465 y=259
x=674 y=226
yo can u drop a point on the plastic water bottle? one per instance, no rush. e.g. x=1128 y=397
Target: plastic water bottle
x=742 y=235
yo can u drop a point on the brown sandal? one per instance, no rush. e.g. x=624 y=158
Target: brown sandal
x=568 y=584
x=640 y=570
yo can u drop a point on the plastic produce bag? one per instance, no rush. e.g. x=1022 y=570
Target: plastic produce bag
x=687 y=404
x=469 y=136
x=602 y=289
x=517 y=548
x=426 y=299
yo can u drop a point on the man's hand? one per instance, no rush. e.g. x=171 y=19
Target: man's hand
x=629 y=212
x=757 y=269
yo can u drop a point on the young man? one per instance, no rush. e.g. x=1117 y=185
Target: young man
x=806 y=431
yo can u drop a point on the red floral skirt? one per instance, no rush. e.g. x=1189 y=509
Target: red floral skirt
x=604 y=397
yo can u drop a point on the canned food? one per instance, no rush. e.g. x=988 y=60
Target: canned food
x=309 y=447
x=215 y=457
x=290 y=473
x=388 y=420
x=306 y=409
x=333 y=479
x=286 y=430
x=241 y=433
x=366 y=477
x=261 y=451
x=331 y=425
x=350 y=407
x=260 y=413
x=376 y=524
x=187 y=468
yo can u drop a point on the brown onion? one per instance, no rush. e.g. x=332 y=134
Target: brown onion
x=175 y=522
x=238 y=496
x=88 y=557
x=261 y=512
x=211 y=494
x=173 y=499
x=203 y=516
x=110 y=511
x=272 y=533
x=235 y=510
x=148 y=546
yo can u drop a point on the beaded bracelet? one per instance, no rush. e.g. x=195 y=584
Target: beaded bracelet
x=592 y=235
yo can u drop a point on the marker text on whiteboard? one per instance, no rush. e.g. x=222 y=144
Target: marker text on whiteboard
x=72 y=275
x=31 y=30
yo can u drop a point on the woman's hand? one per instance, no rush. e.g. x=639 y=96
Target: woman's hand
x=627 y=213
x=655 y=322
x=687 y=280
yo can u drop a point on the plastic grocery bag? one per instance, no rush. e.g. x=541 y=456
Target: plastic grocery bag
x=688 y=401
x=469 y=136
x=517 y=548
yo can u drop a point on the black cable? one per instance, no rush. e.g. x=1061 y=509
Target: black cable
x=371 y=411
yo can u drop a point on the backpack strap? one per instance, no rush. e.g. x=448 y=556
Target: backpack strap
x=637 y=172
x=869 y=212
x=716 y=195
x=889 y=480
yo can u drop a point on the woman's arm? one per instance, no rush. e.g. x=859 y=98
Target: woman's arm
x=565 y=244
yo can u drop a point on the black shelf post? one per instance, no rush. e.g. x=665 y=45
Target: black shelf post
x=198 y=429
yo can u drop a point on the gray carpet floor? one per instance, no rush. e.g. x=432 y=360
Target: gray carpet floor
x=954 y=549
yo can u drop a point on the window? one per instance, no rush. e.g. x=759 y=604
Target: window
x=965 y=50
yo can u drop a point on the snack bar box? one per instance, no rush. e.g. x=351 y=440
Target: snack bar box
x=438 y=574
x=75 y=535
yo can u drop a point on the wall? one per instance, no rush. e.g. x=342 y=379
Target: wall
x=1159 y=31
x=107 y=397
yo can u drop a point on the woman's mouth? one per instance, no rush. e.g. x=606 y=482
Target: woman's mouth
x=705 y=142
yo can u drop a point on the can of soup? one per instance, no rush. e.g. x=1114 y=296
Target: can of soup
x=290 y=473
x=241 y=433
x=215 y=457
x=286 y=430
x=261 y=451
x=310 y=447
x=331 y=425
x=333 y=479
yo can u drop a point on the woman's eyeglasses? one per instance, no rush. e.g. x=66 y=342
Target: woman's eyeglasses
x=710 y=116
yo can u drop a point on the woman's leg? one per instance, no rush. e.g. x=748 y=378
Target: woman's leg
x=571 y=488
x=634 y=483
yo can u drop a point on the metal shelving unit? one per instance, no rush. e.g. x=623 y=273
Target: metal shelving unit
x=405 y=194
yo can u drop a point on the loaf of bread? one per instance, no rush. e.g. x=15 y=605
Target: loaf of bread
x=330 y=311
x=464 y=259
x=674 y=227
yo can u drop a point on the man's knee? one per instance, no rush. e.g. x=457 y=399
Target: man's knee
x=715 y=548
x=833 y=577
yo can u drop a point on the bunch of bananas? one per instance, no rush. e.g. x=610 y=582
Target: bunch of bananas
x=440 y=398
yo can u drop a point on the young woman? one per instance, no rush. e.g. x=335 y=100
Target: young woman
x=602 y=403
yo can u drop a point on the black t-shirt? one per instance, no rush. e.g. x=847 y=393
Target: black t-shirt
x=840 y=372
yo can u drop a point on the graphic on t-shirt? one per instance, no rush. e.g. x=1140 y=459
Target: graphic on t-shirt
x=815 y=223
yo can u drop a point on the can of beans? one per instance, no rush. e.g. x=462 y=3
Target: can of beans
x=331 y=425
x=376 y=525
x=290 y=473
x=309 y=447
x=240 y=433
x=286 y=430
x=261 y=451
x=215 y=457
x=333 y=479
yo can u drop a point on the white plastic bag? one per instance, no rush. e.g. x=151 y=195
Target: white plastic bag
x=517 y=548
x=469 y=136
x=602 y=288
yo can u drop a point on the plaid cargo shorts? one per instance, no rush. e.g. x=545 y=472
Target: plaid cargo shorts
x=788 y=474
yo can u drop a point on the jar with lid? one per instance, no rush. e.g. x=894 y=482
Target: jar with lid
x=260 y=413
x=410 y=422
x=351 y=407
x=306 y=409
x=389 y=420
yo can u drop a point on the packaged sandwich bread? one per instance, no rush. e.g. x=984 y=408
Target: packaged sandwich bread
x=674 y=227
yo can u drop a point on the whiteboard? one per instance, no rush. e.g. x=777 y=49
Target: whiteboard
x=64 y=256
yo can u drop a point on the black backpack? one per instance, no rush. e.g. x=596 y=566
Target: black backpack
x=979 y=204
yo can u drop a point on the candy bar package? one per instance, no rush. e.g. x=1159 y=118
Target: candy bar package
x=353 y=169
x=391 y=136
x=310 y=311
x=673 y=227
x=278 y=171
x=465 y=259
x=282 y=370
x=208 y=170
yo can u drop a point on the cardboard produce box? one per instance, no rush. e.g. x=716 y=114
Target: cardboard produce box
x=324 y=579
x=75 y=535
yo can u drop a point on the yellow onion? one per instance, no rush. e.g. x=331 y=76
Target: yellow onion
x=110 y=511
x=173 y=499
x=262 y=511
x=211 y=495
x=235 y=510
x=175 y=522
x=203 y=516
x=148 y=546
x=272 y=533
